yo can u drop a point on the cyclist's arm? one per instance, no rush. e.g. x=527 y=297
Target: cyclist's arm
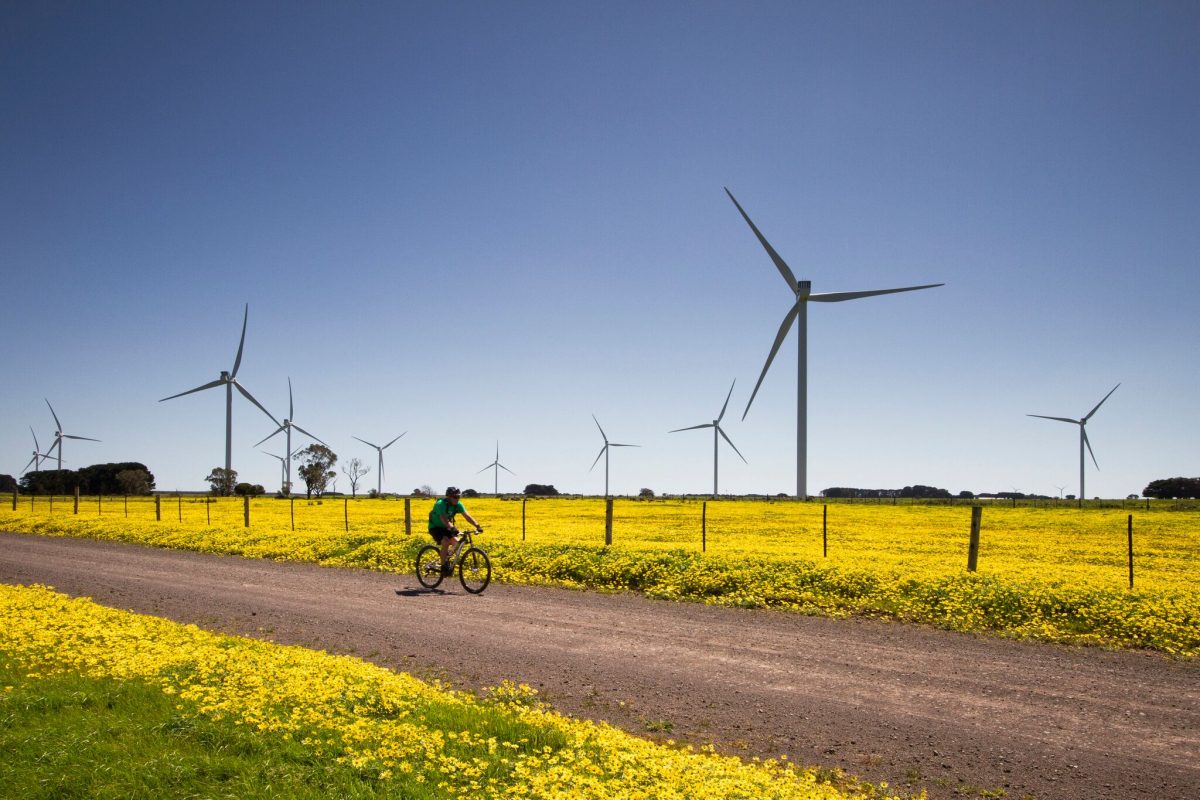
x=471 y=520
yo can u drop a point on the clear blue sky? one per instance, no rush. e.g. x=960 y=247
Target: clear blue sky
x=480 y=222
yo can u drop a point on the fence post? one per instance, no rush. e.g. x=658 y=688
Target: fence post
x=408 y=516
x=346 y=512
x=973 y=549
x=704 y=527
x=99 y=505
x=179 y=502
x=51 y=502
x=127 y=505
x=1131 y=551
x=246 y=509
x=825 y=531
x=524 y=500
x=208 y=510
x=76 y=500
x=158 y=507
x=608 y=503
x=14 y=499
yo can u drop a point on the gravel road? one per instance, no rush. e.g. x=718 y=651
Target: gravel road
x=955 y=714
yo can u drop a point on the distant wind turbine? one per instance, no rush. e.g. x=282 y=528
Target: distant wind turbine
x=495 y=467
x=38 y=455
x=283 y=476
x=1083 y=439
x=379 y=471
x=716 y=426
x=604 y=452
x=286 y=427
x=229 y=381
x=799 y=314
x=59 y=436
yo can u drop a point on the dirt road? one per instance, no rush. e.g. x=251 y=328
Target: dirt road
x=957 y=715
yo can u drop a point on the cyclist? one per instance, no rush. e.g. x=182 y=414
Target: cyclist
x=442 y=527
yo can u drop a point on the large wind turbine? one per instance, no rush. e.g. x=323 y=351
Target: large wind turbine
x=716 y=426
x=59 y=436
x=799 y=315
x=286 y=427
x=379 y=471
x=229 y=381
x=495 y=467
x=604 y=452
x=1083 y=440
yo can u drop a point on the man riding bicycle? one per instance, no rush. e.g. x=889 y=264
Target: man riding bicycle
x=442 y=527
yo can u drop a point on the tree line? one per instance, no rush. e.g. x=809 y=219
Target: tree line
x=126 y=477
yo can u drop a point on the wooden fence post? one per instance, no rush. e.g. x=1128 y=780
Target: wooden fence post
x=704 y=527
x=208 y=510
x=1131 y=551
x=99 y=506
x=825 y=531
x=523 y=502
x=76 y=500
x=127 y=505
x=179 y=503
x=973 y=549
x=158 y=507
x=408 y=516
x=608 y=503
x=246 y=509
x=14 y=499
x=346 y=512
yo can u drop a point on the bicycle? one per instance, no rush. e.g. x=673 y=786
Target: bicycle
x=472 y=563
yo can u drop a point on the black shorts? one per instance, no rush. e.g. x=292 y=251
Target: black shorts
x=441 y=533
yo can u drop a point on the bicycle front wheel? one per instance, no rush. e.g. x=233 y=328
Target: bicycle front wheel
x=475 y=570
x=429 y=566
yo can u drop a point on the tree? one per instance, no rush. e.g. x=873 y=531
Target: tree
x=316 y=468
x=134 y=481
x=222 y=481
x=249 y=489
x=8 y=483
x=646 y=494
x=541 y=490
x=1173 y=488
x=354 y=470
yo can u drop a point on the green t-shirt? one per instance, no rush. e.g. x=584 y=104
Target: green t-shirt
x=444 y=508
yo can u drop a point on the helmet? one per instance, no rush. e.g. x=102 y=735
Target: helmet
x=452 y=491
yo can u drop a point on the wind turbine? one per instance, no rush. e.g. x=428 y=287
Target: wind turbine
x=495 y=467
x=59 y=436
x=1083 y=440
x=229 y=381
x=38 y=455
x=283 y=463
x=716 y=426
x=287 y=426
x=799 y=314
x=604 y=452
x=379 y=471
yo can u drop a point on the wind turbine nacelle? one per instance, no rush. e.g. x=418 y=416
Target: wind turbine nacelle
x=803 y=288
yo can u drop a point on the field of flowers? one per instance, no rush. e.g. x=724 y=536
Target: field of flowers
x=1058 y=574
x=404 y=737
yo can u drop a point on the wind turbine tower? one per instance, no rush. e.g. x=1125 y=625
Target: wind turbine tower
x=230 y=382
x=802 y=290
x=495 y=467
x=604 y=452
x=1083 y=439
x=59 y=436
x=379 y=470
x=716 y=426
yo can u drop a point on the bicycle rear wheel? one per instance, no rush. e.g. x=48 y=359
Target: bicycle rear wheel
x=429 y=566
x=475 y=570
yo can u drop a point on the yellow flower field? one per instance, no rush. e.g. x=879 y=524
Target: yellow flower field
x=411 y=737
x=1050 y=573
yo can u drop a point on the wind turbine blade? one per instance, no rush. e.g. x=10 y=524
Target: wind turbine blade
x=291 y=409
x=1083 y=430
x=721 y=416
x=36 y=447
x=614 y=444
x=489 y=466
x=250 y=397
x=837 y=297
x=1059 y=419
x=779 y=337
x=260 y=441
x=506 y=469
x=692 y=428
x=57 y=424
x=602 y=449
x=209 y=385
x=364 y=441
x=602 y=434
x=272 y=455
x=237 y=362
x=1093 y=411
x=306 y=433
x=30 y=464
x=84 y=438
x=783 y=268
x=392 y=442
x=734 y=446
